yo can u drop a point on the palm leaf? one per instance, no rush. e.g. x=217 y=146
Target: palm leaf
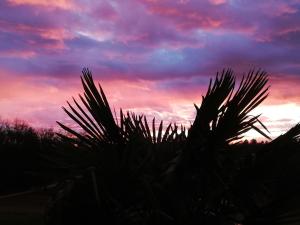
x=223 y=115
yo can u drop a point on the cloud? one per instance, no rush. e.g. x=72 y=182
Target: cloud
x=64 y=4
x=161 y=54
x=218 y=2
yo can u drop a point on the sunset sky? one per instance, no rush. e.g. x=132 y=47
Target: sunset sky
x=150 y=56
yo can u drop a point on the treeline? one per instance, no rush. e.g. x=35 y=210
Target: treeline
x=32 y=157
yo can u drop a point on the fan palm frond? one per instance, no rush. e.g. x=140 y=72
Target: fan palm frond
x=212 y=103
x=224 y=115
x=100 y=127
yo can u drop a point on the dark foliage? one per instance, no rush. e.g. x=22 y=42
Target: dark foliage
x=167 y=175
x=18 y=145
x=127 y=170
x=32 y=158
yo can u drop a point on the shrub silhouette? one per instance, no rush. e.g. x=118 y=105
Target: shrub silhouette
x=169 y=175
x=19 y=149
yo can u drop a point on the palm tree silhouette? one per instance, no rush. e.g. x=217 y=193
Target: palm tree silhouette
x=153 y=175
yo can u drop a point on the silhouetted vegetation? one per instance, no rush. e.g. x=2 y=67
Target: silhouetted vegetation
x=19 y=149
x=126 y=170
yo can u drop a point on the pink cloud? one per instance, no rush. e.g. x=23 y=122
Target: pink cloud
x=105 y=11
x=55 y=35
x=218 y=2
x=32 y=100
x=187 y=17
x=24 y=54
x=64 y=4
x=284 y=89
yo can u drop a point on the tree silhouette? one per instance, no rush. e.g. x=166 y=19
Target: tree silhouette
x=154 y=175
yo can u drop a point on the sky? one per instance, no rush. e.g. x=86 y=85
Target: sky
x=151 y=56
